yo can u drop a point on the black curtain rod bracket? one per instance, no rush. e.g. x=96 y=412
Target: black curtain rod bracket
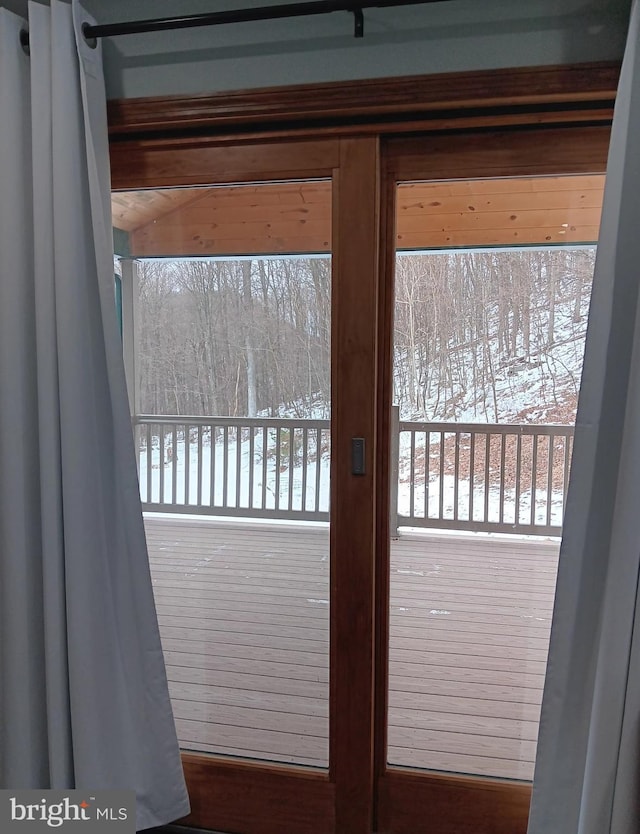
x=24 y=40
x=277 y=12
x=358 y=23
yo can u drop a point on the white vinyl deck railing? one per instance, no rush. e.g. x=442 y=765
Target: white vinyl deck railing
x=492 y=477
x=462 y=476
x=235 y=466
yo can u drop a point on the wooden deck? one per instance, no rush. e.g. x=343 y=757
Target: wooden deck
x=243 y=611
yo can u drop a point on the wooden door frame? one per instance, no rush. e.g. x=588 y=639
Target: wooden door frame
x=363 y=135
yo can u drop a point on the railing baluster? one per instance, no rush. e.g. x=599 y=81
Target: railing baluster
x=174 y=466
x=225 y=467
x=187 y=463
x=441 y=496
x=534 y=477
x=238 y=463
x=265 y=452
x=291 y=464
x=503 y=453
x=318 y=459
x=412 y=475
x=472 y=471
x=252 y=451
x=427 y=471
x=149 y=464
x=487 y=475
x=212 y=464
x=161 y=453
x=305 y=458
x=518 y=471
x=551 y=439
x=456 y=475
x=199 y=496
x=278 y=450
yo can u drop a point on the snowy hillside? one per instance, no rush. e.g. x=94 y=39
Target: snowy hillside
x=491 y=336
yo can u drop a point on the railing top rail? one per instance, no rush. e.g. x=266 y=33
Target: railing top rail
x=241 y=422
x=488 y=428
x=404 y=425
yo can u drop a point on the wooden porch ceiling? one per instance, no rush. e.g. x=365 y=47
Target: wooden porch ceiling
x=290 y=218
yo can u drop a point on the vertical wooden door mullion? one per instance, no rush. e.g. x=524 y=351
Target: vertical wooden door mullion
x=353 y=509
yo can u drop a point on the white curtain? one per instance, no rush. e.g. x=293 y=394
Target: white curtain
x=83 y=692
x=587 y=778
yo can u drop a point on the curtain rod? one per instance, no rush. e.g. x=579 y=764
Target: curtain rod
x=283 y=10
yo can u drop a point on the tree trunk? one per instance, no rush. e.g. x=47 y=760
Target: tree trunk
x=252 y=408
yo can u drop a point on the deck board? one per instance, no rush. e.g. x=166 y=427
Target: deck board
x=244 y=620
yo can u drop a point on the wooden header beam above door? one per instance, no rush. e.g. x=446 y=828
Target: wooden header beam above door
x=518 y=95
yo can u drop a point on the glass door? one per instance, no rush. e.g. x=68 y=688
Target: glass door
x=232 y=384
x=353 y=524
x=491 y=298
x=248 y=371
x=490 y=322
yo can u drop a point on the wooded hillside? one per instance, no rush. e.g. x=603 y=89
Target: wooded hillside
x=479 y=336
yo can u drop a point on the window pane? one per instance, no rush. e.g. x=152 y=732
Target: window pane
x=231 y=289
x=493 y=281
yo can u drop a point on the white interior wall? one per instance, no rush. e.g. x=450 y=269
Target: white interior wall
x=411 y=40
x=432 y=38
